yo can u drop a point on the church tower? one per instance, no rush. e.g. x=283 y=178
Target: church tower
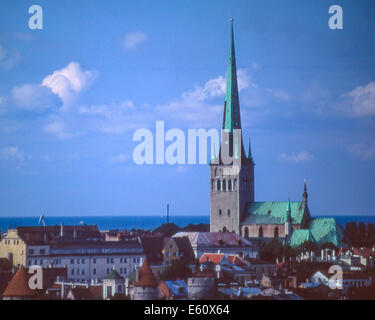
x=231 y=170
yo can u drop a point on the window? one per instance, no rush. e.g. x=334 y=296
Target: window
x=107 y=260
x=72 y=271
x=77 y=261
x=77 y=271
x=125 y=270
x=94 y=260
x=134 y=260
x=276 y=233
x=246 y=232
x=125 y=260
x=260 y=232
x=107 y=270
x=71 y=261
x=94 y=271
x=218 y=185
x=83 y=271
x=229 y=185
x=31 y=251
x=112 y=261
x=42 y=251
x=228 y=212
x=41 y=262
x=120 y=270
x=224 y=185
x=83 y=261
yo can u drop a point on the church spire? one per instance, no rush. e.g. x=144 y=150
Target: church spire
x=305 y=194
x=232 y=119
x=249 y=155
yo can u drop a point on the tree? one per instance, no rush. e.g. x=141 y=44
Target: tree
x=179 y=269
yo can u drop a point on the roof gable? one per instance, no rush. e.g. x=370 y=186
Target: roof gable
x=326 y=230
x=19 y=285
x=301 y=236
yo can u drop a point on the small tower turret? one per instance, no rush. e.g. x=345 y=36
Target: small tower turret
x=288 y=220
x=305 y=194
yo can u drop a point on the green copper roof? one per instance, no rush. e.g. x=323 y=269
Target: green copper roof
x=327 y=230
x=232 y=119
x=300 y=237
x=274 y=212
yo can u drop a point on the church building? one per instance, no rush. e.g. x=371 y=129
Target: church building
x=232 y=203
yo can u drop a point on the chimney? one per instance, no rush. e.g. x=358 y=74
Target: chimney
x=62 y=229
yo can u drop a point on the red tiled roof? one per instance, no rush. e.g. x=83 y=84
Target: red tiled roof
x=211 y=257
x=146 y=276
x=19 y=285
x=216 y=258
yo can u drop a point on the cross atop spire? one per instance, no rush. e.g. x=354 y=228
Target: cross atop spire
x=232 y=118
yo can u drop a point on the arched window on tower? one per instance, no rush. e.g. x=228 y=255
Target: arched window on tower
x=229 y=185
x=224 y=229
x=246 y=232
x=228 y=212
x=212 y=184
x=276 y=233
x=218 y=184
x=261 y=233
x=219 y=212
x=234 y=184
x=224 y=185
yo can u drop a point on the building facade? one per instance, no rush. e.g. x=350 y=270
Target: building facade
x=79 y=249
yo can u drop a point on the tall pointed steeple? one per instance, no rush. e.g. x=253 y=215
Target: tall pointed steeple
x=232 y=118
x=305 y=194
x=249 y=155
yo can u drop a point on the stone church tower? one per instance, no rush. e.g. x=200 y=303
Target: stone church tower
x=231 y=171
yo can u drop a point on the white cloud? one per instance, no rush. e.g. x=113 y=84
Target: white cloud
x=69 y=81
x=12 y=153
x=196 y=107
x=301 y=157
x=363 y=151
x=59 y=129
x=33 y=97
x=133 y=40
x=279 y=94
x=121 y=158
x=8 y=59
x=360 y=102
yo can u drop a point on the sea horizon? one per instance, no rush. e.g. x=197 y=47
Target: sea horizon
x=146 y=222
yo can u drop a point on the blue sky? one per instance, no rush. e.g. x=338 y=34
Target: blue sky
x=72 y=95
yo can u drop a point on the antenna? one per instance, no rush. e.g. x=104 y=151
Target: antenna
x=41 y=220
x=167 y=213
